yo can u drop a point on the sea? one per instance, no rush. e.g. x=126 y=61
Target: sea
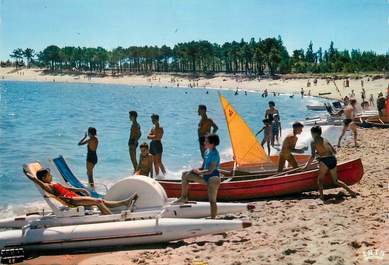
x=41 y=120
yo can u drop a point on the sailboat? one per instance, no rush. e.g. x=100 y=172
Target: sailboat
x=252 y=174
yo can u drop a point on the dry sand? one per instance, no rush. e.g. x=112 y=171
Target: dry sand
x=292 y=230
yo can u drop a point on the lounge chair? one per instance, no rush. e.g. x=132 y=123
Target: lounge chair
x=59 y=207
x=65 y=173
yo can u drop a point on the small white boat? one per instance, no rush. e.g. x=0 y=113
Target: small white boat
x=15 y=245
x=334 y=106
x=323 y=120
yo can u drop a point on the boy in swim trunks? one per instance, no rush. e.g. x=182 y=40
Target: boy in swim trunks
x=327 y=161
x=135 y=134
x=276 y=129
x=156 y=149
x=69 y=195
x=91 y=140
x=205 y=126
x=145 y=166
x=349 y=113
x=207 y=174
x=289 y=146
x=267 y=134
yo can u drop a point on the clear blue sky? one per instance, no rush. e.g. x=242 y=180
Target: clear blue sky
x=361 y=24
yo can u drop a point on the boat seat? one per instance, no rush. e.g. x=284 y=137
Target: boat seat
x=63 y=171
x=59 y=207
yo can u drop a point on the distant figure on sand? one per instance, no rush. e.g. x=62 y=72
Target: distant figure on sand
x=271 y=111
x=135 y=134
x=145 y=166
x=204 y=128
x=156 y=149
x=371 y=100
x=91 y=157
x=70 y=197
x=207 y=174
x=349 y=113
x=327 y=161
x=289 y=146
x=267 y=134
x=381 y=104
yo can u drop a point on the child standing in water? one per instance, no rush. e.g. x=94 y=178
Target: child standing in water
x=134 y=138
x=276 y=129
x=156 y=149
x=145 y=166
x=91 y=157
x=267 y=134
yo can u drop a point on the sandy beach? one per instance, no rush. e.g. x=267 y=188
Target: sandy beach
x=290 y=230
x=287 y=84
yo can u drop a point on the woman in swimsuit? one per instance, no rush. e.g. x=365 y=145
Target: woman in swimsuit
x=156 y=148
x=91 y=157
x=69 y=195
x=327 y=161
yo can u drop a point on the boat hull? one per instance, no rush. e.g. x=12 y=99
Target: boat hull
x=349 y=172
x=187 y=210
x=108 y=235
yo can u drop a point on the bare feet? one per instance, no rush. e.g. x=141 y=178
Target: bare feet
x=181 y=200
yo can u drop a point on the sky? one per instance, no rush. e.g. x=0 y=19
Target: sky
x=360 y=24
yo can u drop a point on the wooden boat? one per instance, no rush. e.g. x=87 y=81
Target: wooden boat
x=376 y=120
x=253 y=174
x=252 y=187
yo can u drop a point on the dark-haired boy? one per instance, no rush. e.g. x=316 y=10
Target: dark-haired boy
x=327 y=161
x=205 y=126
x=145 y=166
x=289 y=146
x=135 y=134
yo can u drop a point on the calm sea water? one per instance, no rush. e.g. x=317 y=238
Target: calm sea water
x=41 y=120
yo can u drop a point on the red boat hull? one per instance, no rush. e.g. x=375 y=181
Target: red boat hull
x=349 y=172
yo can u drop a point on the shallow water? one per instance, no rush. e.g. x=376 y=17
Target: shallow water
x=41 y=120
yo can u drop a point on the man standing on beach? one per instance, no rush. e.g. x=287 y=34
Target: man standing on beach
x=289 y=146
x=135 y=134
x=381 y=104
x=205 y=126
x=349 y=113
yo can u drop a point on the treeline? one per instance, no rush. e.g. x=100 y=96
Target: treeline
x=268 y=56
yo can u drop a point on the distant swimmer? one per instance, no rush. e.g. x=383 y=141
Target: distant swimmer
x=156 y=149
x=206 y=126
x=92 y=142
x=71 y=195
x=289 y=147
x=349 y=113
x=207 y=174
x=135 y=134
x=302 y=92
x=327 y=161
x=145 y=166
x=267 y=134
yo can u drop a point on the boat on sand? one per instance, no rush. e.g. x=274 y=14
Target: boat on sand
x=253 y=174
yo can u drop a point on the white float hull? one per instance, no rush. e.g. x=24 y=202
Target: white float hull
x=107 y=235
x=188 y=210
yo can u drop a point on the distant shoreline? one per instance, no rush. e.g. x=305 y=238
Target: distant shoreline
x=289 y=83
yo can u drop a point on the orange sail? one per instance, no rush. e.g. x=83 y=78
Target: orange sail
x=245 y=146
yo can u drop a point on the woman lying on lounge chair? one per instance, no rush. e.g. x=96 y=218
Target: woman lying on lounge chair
x=69 y=195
